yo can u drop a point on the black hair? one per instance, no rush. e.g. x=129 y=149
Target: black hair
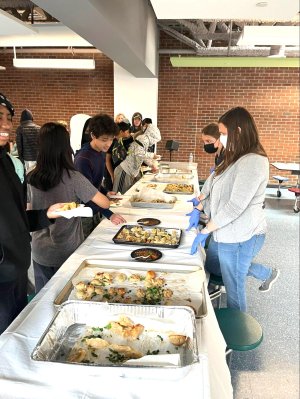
x=86 y=137
x=123 y=126
x=147 y=120
x=54 y=156
x=103 y=125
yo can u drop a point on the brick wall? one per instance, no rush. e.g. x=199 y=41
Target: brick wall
x=189 y=98
x=58 y=94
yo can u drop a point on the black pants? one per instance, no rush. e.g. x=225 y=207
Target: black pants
x=42 y=274
x=13 y=299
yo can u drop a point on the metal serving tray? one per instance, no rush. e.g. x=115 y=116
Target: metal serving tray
x=179 y=192
x=176 y=178
x=169 y=230
x=64 y=294
x=155 y=205
x=68 y=325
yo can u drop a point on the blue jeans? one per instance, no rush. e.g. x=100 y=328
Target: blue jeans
x=234 y=263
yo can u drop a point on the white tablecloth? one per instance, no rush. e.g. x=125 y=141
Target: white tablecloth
x=23 y=378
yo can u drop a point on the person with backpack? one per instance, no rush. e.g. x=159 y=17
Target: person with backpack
x=128 y=172
x=118 y=150
x=15 y=225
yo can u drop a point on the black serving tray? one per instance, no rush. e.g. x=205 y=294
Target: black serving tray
x=129 y=227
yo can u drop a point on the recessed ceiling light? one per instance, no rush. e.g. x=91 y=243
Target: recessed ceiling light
x=262 y=4
x=2 y=68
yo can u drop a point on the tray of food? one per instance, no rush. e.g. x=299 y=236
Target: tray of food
x=173 y=177
x=140 y=202
x=179 y=189
x=149 y=236
x=135 y=341
x=97 y=280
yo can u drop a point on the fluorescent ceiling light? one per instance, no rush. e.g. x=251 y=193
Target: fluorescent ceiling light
x=54 y=63
x=233 y=62
x=269 y=35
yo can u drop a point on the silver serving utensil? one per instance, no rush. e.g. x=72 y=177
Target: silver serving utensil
x=142 y=257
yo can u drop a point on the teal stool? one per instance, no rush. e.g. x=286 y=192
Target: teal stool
x=218 y=284
x=30 y=297
x=241 y=331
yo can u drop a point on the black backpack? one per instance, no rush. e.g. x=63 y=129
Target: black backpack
x=119 y=152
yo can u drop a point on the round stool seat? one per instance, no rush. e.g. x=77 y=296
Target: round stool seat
x=240 y=330
x=215 y=280
x=295 y=190
x=280 y=178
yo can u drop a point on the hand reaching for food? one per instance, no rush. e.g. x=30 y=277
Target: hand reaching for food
x=117 y=219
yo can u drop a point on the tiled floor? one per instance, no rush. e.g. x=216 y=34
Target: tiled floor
x=272 y=370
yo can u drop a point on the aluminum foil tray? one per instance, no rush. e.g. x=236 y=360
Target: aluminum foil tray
x=117 y=240
x=173 y=178
x=102 y=265
x=155 y=205
x=72 y=318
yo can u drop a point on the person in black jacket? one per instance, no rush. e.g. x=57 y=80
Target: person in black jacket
x=27 y=139
x=15 y=224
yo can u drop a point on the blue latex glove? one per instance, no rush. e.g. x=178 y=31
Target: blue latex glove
x=195 y=201
x=199 y=239
x=194 y=218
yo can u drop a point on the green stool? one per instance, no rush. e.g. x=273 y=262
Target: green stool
x=241 y=331
x=218 y=284
x=30 y=297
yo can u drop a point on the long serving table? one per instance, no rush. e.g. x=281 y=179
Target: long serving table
x=21 y=377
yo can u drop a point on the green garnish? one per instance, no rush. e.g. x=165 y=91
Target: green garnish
x=108 y=326
x=153 y=352
x=161 y=338
x=115 y=357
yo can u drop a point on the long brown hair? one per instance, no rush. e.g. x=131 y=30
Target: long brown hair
x=242 y=137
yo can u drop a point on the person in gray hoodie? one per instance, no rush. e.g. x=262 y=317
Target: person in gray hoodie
x=232 y=198
x=27 y=139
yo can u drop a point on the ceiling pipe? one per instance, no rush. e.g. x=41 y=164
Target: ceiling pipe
x=234 y=51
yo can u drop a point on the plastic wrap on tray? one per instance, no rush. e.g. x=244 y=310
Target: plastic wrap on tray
x=160 y=339
x=173 y=177
x=151 y=198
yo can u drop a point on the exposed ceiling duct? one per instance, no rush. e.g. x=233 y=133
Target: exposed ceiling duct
x=221 y=38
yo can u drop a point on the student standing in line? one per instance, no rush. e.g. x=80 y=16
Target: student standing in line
x=128 y=172
x=55 y=178
x=26 y=136
x=136 y=122
x=90 y=161
x=15 y=224
x=233 y=198
x=117 y=152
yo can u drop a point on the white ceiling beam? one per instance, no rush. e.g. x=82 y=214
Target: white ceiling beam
x=126 y=33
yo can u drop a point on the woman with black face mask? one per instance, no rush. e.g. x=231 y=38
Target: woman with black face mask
x=211 y=139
